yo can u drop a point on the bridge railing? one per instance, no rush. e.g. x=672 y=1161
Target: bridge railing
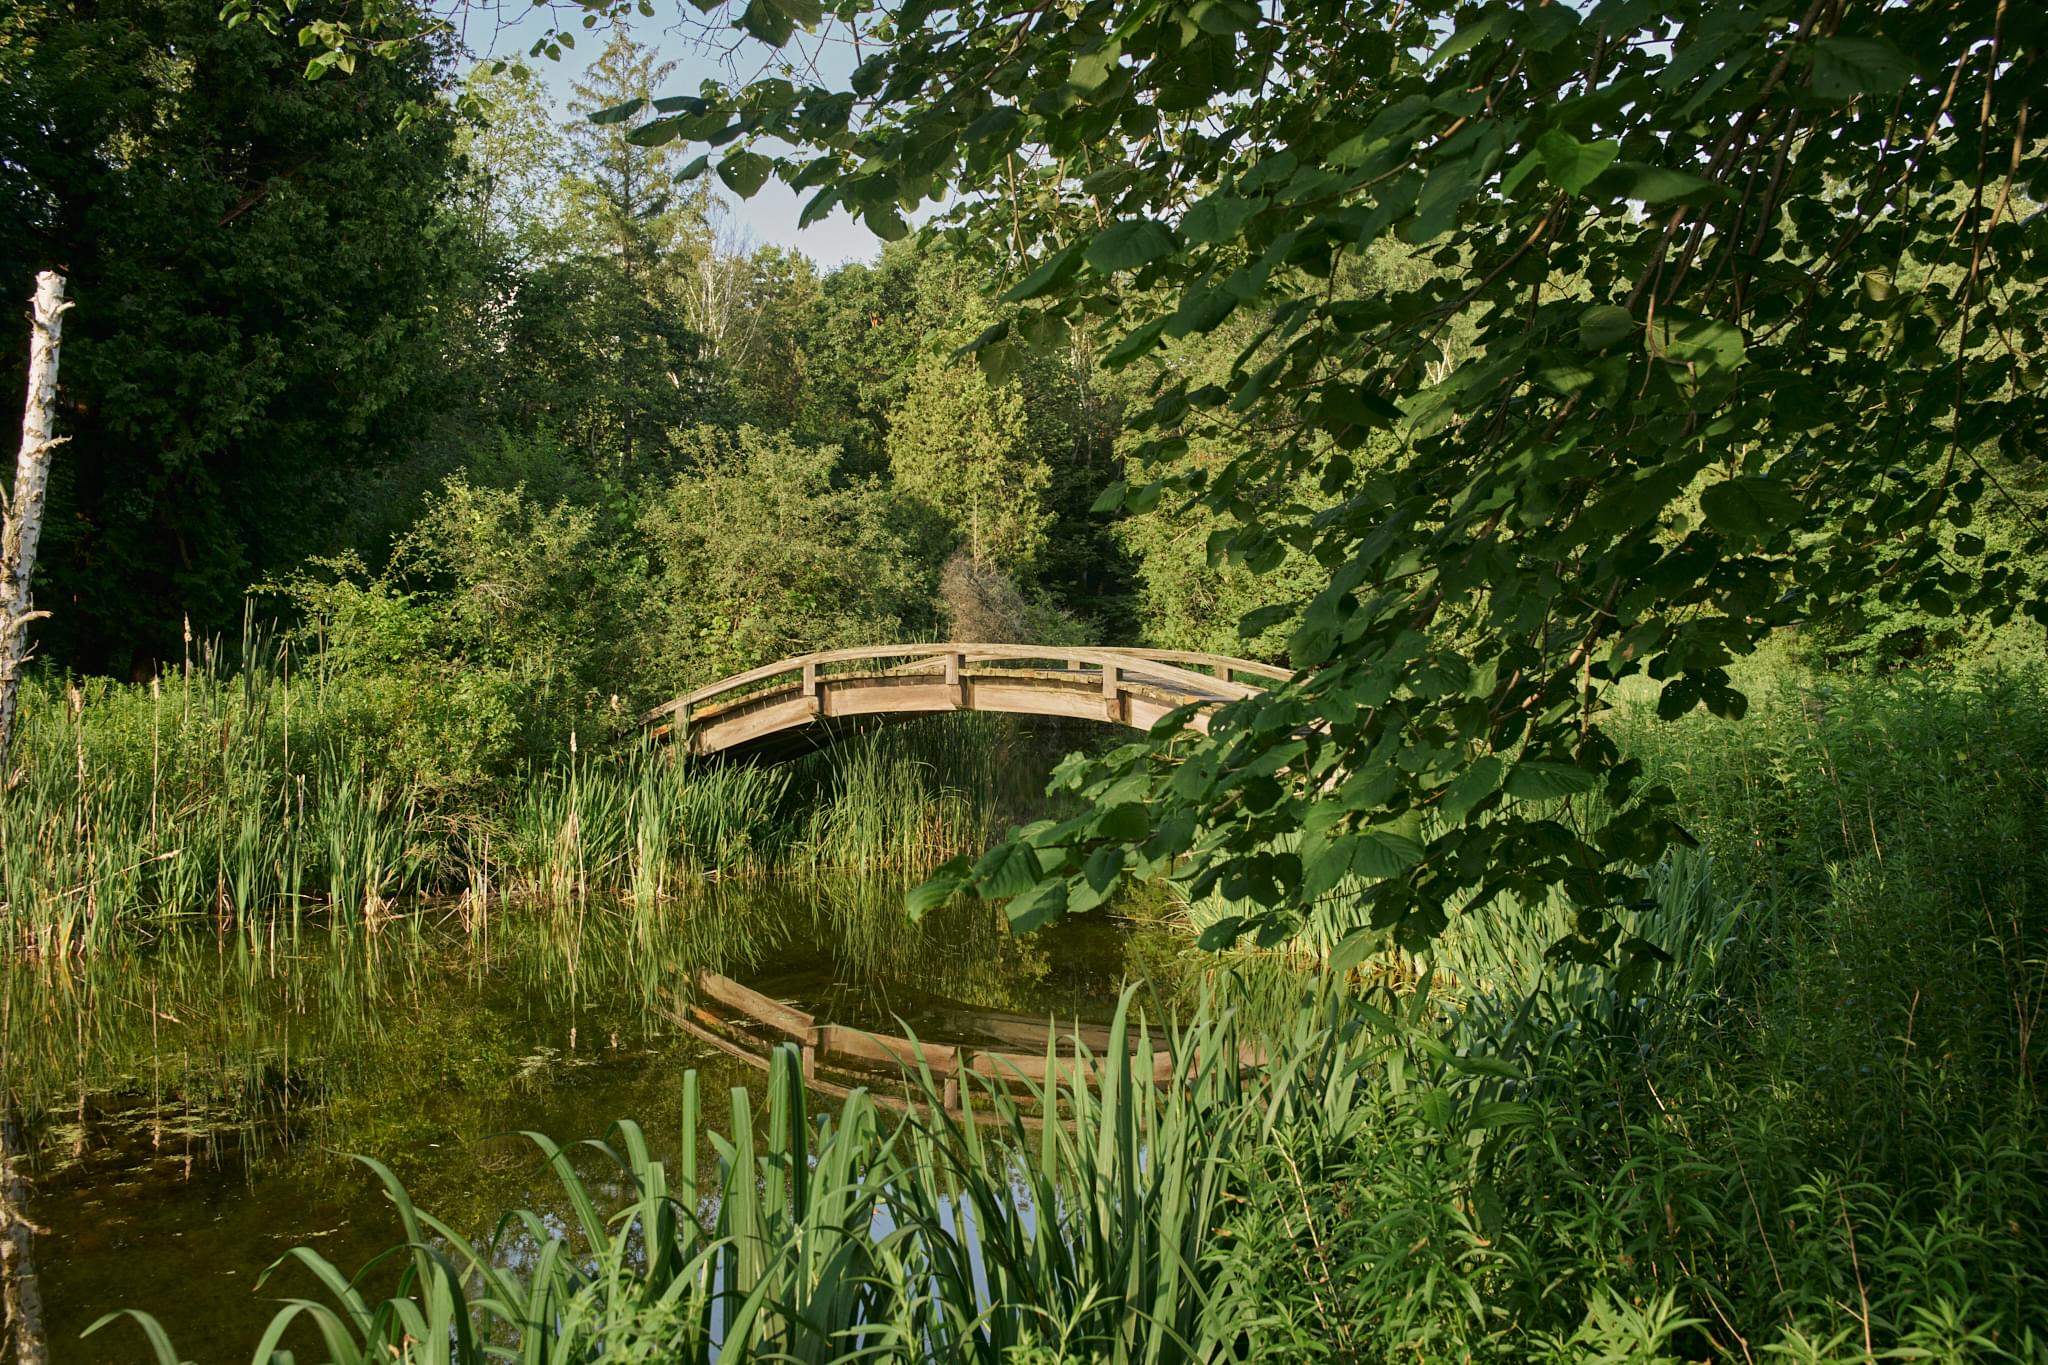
x=1167 y=669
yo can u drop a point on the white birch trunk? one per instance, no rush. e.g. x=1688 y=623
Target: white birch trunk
x=22 y=1304
x=21 y=521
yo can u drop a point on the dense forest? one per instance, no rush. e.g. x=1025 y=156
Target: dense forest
x=454 y=378
x=1609 y=927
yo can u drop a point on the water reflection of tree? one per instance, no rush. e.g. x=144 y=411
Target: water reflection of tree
x=427 y=1031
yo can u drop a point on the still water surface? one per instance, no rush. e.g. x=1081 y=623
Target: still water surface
x=189 y=1108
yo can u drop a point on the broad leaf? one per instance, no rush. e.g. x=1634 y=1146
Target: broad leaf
x=1844 y=68
x=1573 y=165
x=1128 y=245
x=1751 y=507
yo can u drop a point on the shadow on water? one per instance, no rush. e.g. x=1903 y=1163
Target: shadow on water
x=185 y=1110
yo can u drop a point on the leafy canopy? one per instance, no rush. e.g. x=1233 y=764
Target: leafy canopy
x=1749 y=290
x=1747 y=294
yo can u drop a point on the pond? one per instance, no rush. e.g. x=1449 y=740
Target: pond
x=188 y=1108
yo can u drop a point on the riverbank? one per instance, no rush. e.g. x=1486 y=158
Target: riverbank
x=1813 y=1134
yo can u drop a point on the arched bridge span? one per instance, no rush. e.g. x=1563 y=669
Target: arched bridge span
x=806 y=701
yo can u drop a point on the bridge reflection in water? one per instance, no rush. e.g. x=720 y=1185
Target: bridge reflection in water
x=980 y=1047
x=812 y=699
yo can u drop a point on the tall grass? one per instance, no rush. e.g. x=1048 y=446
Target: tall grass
x=247 y=794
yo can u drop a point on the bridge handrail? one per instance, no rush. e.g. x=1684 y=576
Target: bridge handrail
x=1196 y=656
x=1162 y=665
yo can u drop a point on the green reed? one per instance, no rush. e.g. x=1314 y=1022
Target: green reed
x=240 y=795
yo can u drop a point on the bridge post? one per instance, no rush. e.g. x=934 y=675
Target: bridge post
x=810 y=687
x=1112 y=697
x=956 y=662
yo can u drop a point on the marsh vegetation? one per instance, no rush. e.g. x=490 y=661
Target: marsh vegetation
x=1617 y=934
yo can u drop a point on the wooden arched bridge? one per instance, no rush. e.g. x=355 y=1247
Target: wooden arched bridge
x=803 y=702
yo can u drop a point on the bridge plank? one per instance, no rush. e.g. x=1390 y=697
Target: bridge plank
x=756 y=1006
x=837 y=1040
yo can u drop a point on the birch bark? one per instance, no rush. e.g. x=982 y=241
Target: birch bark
x=21 y=517
x=21 y=1305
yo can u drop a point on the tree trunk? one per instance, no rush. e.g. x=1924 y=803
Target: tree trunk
x=19 y=1298
x=21 y=522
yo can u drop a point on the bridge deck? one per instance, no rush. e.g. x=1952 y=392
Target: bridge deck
x=812 y=698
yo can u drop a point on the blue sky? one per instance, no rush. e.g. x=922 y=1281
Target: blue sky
x=771 y=215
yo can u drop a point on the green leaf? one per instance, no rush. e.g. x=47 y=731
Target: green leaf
x=1225 y=17
x=1701 y=342
x=1000 y=361
x=1134 y=345
x=1037 y=907
x=1469 y=36
x=944 y=884
x=1128 y=245
x=1751 y=506
x=1349 y=404
x=1604 y=324
x=1472 y=786
x=1219 y=217
x=1450 y=184
x=1328 y=865
x=1222 y=934
x=1662 y=185
x=767 y=22
x=1008 y=869
x=986 y=337
x=618 y=113
x=744 y=172
x=1092 y=69
x=1844 y=68
x=1355 y=948
x=1201 y=311
x=1051 y=273
x=1380 y=854
x=1125 y=823
x=1259 y=620
x=1101 y=876
x=1532 y=781
x=657 y=132
x=804 y=13
x=1572 y=165
x=885 y=222
x=1109 y=500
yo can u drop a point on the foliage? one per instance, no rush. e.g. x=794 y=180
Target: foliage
x=870 y=326
x=955 y=447
x=1744 y=255
x=534 y=586
x=761 y=556
x=1190 y=599
x=257 y=263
